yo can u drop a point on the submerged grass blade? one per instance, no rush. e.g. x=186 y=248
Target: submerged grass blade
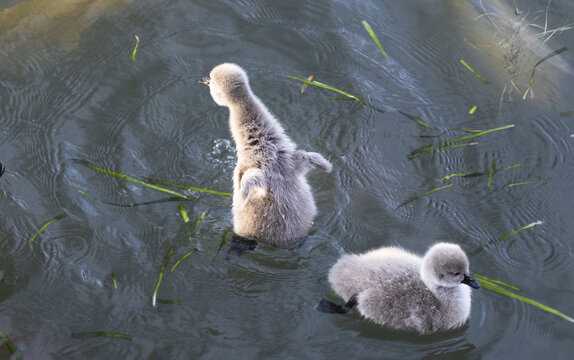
x=161 y=271
x=566 y=113
x=478 y=173
x=328 y=87
x=199 y=220
x=529 y=182
x=183 y=213
x=554 y=53
x=472 y=110
x=474 y=72
x=426 y=193
x=440 y=147
x=45 y=225
x=135 y=48
x=495 y=287
x=514 y=232
x=169 y=301
x=305 y=85
x=115 y=281
x=169 y=199
x=447 y=144
x=415 y=118
x=191 y=252
x=491 y=172
x=223 y=242
x=12 y=348
x=107 y=334
x=374 y=37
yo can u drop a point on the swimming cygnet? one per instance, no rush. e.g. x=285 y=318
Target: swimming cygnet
x=272 y=200
x=399 y=289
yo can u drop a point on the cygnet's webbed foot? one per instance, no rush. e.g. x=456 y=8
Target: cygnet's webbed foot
x=239 y=245
x=328 y=307
x=310 y=160
x=2 y=170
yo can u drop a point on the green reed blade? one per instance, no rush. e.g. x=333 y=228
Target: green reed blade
x=374 y=37
x=328 y=87
x=491 y=172
x=223 y=242
x=494 y=287
x=12 y=348
x=185 y=187
x=439 y=147
x=472 y=110
x=161 y=271
x=135 y=48
x=446 y=144
x=191 y=252
x=415 y=118
x=554 y=53
x=183 y=213
x=529 y=182
x=106 y=334
x=474 y=72
x=482 y=278
x=45 y=225
x=115 y=281
x=426 y=193
x=304 y=87
x=514 y=232
x=566 y=113
x=169 y=301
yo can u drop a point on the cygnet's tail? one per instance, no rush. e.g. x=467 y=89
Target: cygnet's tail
x=305 y=161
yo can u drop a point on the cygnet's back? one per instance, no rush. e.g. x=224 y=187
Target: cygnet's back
x=396 y=288
x=272 y=200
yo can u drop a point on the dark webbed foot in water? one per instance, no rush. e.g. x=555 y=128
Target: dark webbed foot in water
x=2 y=170
x=328 y=307
x=239 y=245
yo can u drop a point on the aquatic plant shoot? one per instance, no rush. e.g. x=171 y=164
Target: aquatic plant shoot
x=374 y=37
x=514 y=232
x=328 y=87
x=474 y=72
x=554 y=53
x=166 y=258
x=45 y=226
x=135 y=48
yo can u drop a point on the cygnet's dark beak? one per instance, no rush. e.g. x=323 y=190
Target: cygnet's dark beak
x=205 y=81
x=469 y=280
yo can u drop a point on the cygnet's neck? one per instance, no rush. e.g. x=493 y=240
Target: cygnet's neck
x=455 y=300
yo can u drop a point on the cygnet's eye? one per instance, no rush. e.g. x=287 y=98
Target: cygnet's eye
x=457 y=273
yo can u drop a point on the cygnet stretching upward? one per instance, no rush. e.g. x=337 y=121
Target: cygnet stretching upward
x=399 y=289
x=272 y=200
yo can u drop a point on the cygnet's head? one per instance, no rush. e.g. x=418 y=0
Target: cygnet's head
x=228 y=84
x=446 y=265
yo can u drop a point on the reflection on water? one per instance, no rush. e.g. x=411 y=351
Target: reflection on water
x=68 y=90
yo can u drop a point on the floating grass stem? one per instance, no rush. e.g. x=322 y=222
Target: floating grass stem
x=529 y=182
x=106 y=334
x=415 y=118
x=45 y=225
x=169 y=199
x=161 y=271
x=567 y=113
x=482 y=278
x=554 y=53
x=115 y=281
x=374 y=37
x=474 y=72
x=478 y=173
x=188 y=254
x=448 y=143
x=494 y=286
x=169 y=301
x=199 y=220
x=135 y=48
x=426 y=193
x=183 y=213
x=328 y=87
x=223 y=242
x=472 y=110
x=12 y=348
x=514 y=232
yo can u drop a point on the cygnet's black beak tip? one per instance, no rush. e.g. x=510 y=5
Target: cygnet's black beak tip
x=205 y=81
x=470 y=281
